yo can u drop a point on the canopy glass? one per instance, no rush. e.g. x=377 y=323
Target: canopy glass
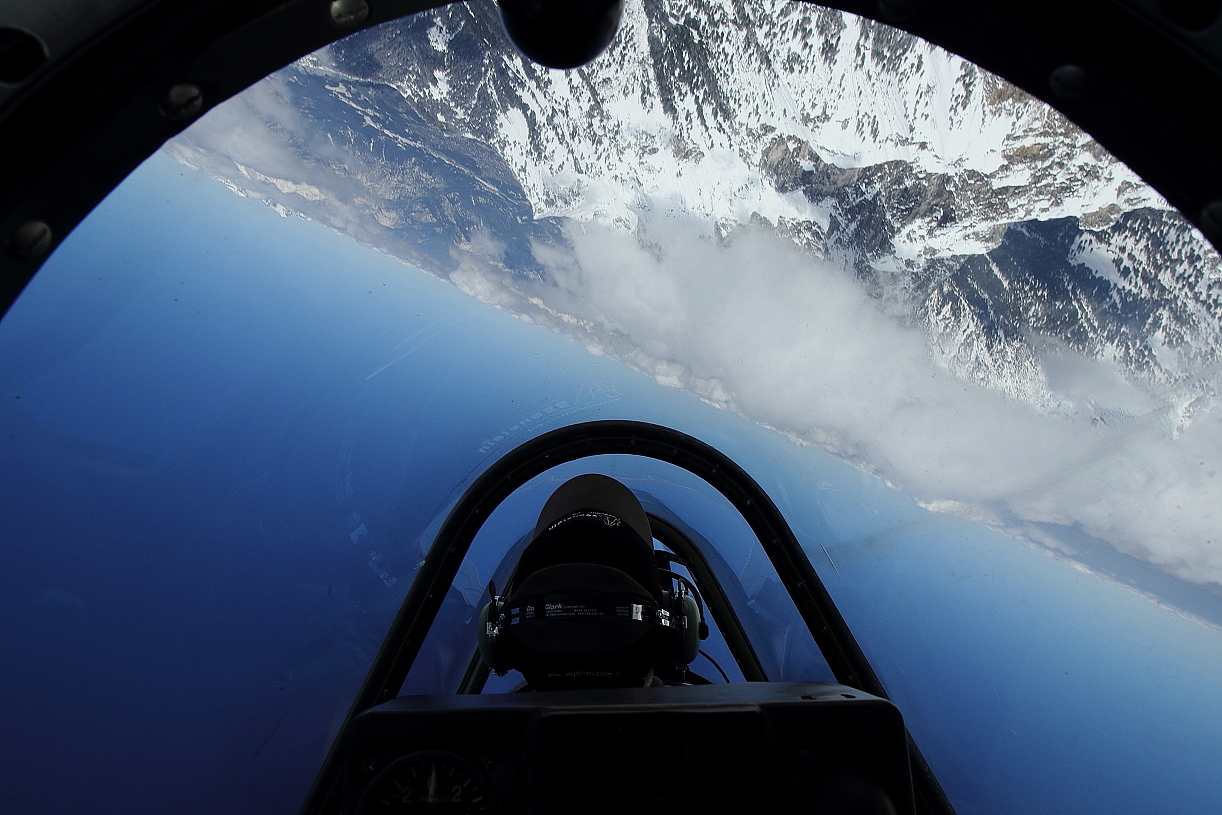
x=971 y=358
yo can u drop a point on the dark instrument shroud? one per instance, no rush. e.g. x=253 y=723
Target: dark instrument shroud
x=742 y=747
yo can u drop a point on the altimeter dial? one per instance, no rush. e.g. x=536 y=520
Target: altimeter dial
x=433 y=782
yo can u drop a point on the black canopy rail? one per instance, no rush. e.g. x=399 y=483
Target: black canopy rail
x=611 y=437
x=1144 y=77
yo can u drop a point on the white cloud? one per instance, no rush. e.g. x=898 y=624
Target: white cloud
x=757 y=327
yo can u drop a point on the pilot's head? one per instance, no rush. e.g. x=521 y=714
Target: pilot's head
x=585 y=607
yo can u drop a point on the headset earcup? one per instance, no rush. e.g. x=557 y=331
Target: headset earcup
x=690 y=612
x=489 y=650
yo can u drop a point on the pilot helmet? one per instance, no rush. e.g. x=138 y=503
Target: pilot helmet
x=585 y=607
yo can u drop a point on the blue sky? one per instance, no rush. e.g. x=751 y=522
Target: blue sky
x=205 y=404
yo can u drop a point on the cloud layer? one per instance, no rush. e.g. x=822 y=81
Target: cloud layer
x=757 y=327
x=659 y=268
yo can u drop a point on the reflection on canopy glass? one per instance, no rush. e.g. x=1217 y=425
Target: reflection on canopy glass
x=970 y=356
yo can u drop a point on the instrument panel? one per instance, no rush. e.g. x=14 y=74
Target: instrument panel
x=742 y=747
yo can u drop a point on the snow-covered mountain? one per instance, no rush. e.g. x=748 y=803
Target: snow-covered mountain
x=829 y=172
x=854 y=140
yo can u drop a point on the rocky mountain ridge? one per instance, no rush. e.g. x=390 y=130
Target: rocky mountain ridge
x=798 y=215
x=856 y=141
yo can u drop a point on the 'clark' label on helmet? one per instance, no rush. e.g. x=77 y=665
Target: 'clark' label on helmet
x=570 y=610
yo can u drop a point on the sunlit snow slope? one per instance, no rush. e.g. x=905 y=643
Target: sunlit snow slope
x=814 y=220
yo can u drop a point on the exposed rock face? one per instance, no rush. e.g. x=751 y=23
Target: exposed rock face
x=969 y=213
x=433 y=140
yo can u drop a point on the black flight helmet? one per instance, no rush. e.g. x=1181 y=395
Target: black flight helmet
x=585 y=607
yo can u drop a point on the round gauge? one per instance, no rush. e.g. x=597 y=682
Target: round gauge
x=431 y=782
